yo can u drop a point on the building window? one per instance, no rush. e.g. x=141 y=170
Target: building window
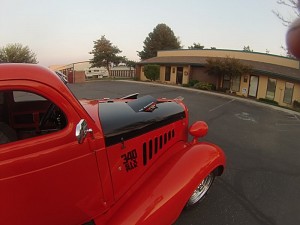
x=288 y=93
x=226 y=82
x=271 y=89
x=236 y=81
x=168 y=73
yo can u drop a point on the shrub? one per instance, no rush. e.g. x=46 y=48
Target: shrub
x=205 y=86
x=151 y=71
x=268 y=101
x=296 y=104
x=136 y=78
x=192 y=83
x=221 y=89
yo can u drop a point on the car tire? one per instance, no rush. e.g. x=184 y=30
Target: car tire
x=201 y=190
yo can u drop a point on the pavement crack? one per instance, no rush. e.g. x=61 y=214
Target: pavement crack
x=219 y=106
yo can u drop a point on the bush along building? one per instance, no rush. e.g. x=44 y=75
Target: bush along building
x=271 y=78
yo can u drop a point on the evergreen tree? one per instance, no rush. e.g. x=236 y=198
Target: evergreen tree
x=162 y=38
x=196 y=46
x=105 y=54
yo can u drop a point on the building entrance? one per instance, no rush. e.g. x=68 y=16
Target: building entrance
x=179 y=75
x=253 y=85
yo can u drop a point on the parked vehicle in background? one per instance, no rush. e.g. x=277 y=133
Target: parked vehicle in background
x=107 y=161
x=96 y=72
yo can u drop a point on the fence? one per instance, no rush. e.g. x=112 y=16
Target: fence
x=122 y=73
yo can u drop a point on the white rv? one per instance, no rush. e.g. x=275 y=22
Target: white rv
x=96 y=72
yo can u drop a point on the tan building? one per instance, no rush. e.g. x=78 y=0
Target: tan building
x=273 y=77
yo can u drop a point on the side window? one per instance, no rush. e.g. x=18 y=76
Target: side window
x=1 y=105
x=226 y=81
x=168 y=73
x=271 y=89
x=236 y=83
x=288 y=93
x=26 y=115
x=23 y=96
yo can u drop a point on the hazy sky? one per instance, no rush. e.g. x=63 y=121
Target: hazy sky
x=63 y=31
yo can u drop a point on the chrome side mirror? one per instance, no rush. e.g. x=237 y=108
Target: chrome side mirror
x=81 y=131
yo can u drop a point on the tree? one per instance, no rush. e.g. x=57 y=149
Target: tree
x=129 y=63
x=105 y=54
x=151 y=71
x=162 y=38
x=227 y=66
x=196 y=46
x=292 y=4
x=247 y=49
x=17 y=53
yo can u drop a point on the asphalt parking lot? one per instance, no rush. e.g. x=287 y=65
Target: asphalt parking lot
x=261 y=183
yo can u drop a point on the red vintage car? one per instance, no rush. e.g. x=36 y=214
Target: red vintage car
x=109 y=161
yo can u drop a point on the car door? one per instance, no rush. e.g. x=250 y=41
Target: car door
x=46 y=177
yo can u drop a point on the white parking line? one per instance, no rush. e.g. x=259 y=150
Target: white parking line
x=232 y=100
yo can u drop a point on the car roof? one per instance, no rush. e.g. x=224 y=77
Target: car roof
x=34 y=72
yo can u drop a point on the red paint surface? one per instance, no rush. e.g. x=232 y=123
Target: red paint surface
x=51 y=179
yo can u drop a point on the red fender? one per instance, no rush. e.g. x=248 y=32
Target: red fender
x=161 y=198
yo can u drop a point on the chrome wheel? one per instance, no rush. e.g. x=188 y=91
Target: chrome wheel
x=201 y=190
